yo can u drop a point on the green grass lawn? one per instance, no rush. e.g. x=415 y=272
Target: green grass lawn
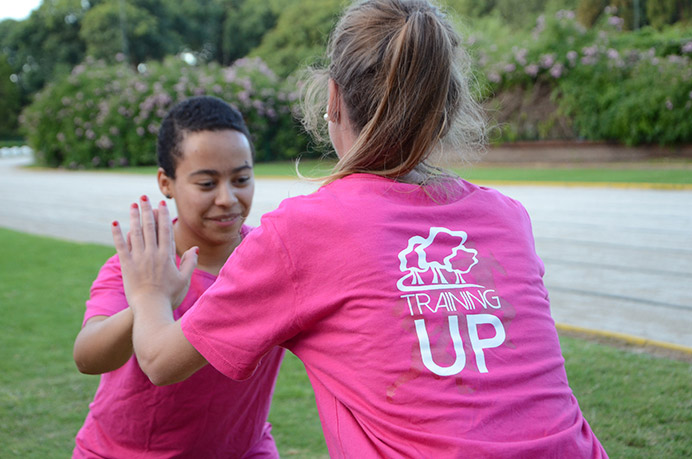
x=638 y=405
x=653 y=172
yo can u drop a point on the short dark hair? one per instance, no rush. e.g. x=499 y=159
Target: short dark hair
x=202 y=113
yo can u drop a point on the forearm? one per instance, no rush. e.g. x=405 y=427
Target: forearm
x=163 y=352
x=104 y=344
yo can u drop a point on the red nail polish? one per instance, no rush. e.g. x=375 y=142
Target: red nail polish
x=115 y=223
x=196 y=250
x=162 y=203
x=144 y=198
x=134 y=205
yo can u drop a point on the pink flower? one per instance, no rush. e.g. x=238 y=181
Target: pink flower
x=78 y=69
x=244 y=98
x=104 y=142
x=572 y=57
x=531 y=70
x=520 y=56
x=687 y=47
x=547 y=60
x=556 y=70
x=669 y=104
x=616 y=22
x=589 y=50
x=564 y=14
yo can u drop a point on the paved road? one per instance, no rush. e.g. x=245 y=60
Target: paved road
x=617 y=260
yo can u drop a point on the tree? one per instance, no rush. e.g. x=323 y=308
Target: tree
x=45 y=44
x=198 y=22
x=9 y=100
x=589 y=11
x=663 y=12
x=244 y=26
x=471 y=8
x=115 y=27
x=300 y=35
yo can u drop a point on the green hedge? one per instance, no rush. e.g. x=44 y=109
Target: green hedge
x=109 y=115
x=630 y=87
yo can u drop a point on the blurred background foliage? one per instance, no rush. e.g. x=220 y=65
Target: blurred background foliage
x=86 y=82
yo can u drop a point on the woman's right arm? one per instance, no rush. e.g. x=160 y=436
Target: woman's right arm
x=105 y=343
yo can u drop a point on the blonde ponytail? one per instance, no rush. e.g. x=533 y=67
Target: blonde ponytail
x=398 y=67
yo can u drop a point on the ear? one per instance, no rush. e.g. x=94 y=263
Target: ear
x=165 y=183
x=334 y=104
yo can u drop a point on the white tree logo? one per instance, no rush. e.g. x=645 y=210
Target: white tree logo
x=442 y=256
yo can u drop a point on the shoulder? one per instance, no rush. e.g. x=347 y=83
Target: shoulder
x=490 y=196
x=111 y=268
x=300 y=210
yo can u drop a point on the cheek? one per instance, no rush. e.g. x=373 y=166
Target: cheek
x=245 y=196
x=193 y=202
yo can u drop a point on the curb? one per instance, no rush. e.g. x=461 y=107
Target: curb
x=630 y=339
x=624 y=185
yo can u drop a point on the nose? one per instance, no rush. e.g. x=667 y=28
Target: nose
x=226 y=195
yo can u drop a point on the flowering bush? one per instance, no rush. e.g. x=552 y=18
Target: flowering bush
x=630 y=87
x=109 y=115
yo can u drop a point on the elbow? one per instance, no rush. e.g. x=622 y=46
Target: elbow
x=158 y=380
x=159 y=374
x=84 y=365
x=84 y=368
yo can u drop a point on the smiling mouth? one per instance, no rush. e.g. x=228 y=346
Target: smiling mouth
x=225 y=218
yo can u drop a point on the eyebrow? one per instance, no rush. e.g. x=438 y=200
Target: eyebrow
x=214 y=172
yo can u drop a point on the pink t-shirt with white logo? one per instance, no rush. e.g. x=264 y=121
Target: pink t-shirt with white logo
x=207 y=415
x=421 y=318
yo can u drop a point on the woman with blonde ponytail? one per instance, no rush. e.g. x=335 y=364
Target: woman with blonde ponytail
x=415 y=299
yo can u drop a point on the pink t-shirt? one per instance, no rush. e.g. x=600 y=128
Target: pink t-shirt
x=421 y=318
x=208 y=415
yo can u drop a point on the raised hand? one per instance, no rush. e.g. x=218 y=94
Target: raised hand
x=147 y=257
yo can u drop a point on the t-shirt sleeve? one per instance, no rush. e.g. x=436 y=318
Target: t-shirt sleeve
x=107 y=295
x=249 y=309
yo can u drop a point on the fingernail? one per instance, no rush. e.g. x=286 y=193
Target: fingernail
x=115 y=223
x=162 y=203
x=134 y=205
x=196 y=250
x=144 y=198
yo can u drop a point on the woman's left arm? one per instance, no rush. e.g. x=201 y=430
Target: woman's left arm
x=153 y=283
